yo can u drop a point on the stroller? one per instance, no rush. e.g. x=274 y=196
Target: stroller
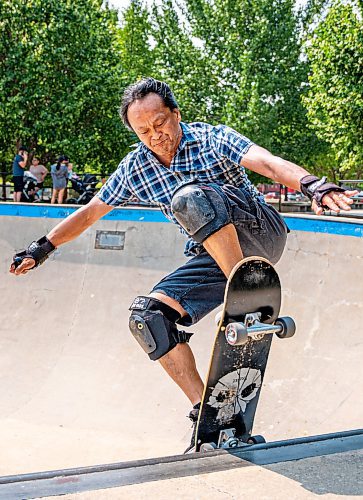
x=28 y=194
x=85 y=187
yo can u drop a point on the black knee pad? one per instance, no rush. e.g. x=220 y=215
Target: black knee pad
x=152 y=323
x=200 y=210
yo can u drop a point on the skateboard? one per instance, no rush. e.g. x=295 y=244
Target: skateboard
x=238 y=361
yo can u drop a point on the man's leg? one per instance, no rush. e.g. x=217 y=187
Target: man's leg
x=152 y=323
x=179 y=363
x=225 y=248
x=203 y=213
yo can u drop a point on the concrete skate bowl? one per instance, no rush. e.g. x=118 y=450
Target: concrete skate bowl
x=77 y=390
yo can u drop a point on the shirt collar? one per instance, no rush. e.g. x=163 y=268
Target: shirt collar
x=188 y=137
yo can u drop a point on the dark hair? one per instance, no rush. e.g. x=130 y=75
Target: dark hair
x=23 y=148
x=141 y=89
x=61 y=159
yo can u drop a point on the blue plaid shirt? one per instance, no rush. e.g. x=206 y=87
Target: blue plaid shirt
x=206 y=153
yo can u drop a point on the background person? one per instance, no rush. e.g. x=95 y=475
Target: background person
x=59 y=173
x=39 y=171
x=19 y=165
x=71 y=172
x=71 y=175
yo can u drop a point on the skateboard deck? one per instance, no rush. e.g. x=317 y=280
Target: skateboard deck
x=251 y=306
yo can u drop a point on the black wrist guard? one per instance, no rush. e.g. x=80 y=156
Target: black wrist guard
x=37 y=250
x=315 y=188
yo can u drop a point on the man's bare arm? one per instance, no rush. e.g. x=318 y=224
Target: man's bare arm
x=289 y=174
x=68 y=229
x=74 y=225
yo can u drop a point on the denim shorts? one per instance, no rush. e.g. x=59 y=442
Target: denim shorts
x=199 y=284
x=18 y=181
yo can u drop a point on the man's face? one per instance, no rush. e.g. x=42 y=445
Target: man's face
x=156 y=125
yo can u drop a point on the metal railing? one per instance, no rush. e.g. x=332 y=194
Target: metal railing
x=6 y=189
x=353 y=184
x=6 y=185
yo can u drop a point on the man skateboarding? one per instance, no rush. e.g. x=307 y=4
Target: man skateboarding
x=196 y=174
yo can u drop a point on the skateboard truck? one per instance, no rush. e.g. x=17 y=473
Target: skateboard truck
x=227 y=439
x=237 y=333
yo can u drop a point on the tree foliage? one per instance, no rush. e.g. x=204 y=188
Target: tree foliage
x=64 y=65
x=60 y=79
x=183 y=64
x=136 y=54
x=254 y=49
x=335 y=98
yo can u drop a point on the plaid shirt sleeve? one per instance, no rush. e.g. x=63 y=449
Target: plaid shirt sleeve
x=116 y=192
x=231 y=144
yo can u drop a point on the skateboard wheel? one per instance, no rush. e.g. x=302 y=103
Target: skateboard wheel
x=218 y=318
x=231 y=443
x=256 y=440
x=288 y=327
x=236 y=334
x=207 y=447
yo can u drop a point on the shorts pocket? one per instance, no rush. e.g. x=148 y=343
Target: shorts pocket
x=244 y=219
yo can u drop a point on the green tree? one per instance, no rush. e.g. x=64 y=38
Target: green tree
x=256 y=73
x=180 y=61
x=335 y=97
x=61 y=80
x=137 y=56
x=136 y=53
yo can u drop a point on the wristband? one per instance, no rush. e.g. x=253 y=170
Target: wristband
x=315 y=188
x=37 y=250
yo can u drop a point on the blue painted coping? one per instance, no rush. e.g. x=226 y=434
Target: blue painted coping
x=309 y=223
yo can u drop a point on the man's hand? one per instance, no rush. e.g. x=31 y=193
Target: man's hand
x=334 y=201
x=325 y=195
x=68 y=229
x=36 y=253
x=23 y=267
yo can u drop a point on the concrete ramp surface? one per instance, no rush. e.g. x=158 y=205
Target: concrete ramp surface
x=76 y=389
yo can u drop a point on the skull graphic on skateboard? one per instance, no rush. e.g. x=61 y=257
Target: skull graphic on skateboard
x=238 y=362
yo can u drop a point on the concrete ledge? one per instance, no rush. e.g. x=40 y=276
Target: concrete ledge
x=343 y=226
x=76 y=480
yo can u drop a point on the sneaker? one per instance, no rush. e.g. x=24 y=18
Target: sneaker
x=193 y=415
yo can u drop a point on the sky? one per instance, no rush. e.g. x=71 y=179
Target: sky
x=120 y=4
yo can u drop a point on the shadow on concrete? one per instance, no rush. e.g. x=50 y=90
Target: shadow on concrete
x=338 y=474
